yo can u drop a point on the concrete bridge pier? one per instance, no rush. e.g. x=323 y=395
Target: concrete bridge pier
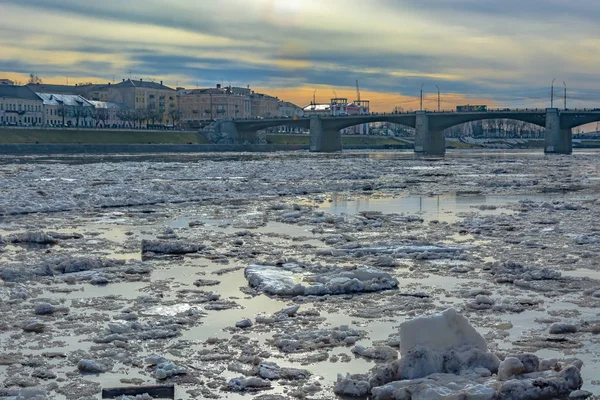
x=558 y=140
x=247 y=136
x=428 y=142
x=322 y=140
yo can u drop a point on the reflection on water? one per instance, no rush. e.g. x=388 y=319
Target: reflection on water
x=442 y=208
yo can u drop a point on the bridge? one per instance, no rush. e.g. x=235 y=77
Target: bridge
x=325 y=133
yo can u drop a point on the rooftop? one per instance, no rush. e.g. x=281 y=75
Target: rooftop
x=106 y=104
x=47 y=88
x=18 y=92
x=143 y=84
x=287 y=104
x=56 y=99
x=317 y=107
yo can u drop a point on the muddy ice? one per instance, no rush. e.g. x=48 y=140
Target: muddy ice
x=301 y=276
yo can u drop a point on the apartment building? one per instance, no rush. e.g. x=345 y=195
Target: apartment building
x=199 y=105
x=144 y=95
x=20 y=106
x=264 y=106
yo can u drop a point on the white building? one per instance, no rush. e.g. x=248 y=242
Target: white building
x=67 y=109
x=287 y=109
x=317 y=109
x=107 y=114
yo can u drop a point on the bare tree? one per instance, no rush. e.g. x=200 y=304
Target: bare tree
x=175 y=115
x=152 y=114
x=92 y=114
x=80 y=112
x=140 y=116
x=62 y=112
x=102 y=115
x=126 y=115
x=34 y=79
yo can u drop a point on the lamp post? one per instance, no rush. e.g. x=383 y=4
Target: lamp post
x=421 y=109
x=438 y=89
x=552 y=94
x=565 y=99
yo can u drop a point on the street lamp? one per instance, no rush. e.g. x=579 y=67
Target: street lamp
x=564 y=83
x=438 y=88
x=552 y=94
x=421 y=109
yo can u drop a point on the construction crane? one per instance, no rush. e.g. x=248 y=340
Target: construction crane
x=357 y=92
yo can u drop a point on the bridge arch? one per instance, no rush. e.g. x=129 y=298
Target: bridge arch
x=337 y=124
x=440 y=122
x=570 y=120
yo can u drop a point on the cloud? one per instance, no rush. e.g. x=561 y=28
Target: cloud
x=504 y=51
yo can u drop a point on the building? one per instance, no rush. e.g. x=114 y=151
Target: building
x=340 y=106
x=358 y=107
x=289 y=110
x=264 y=106
x=196 y=106
x=20 y=106
x=157 y=100
x=94 y=92
x=6 y=82
x=67 y=110
x=322 y=110
x=200 y=105
x=108 y=114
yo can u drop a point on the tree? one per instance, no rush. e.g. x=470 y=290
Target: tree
x=175 y=115
x=126 y=115
x=140 y=116
x=34 y=79
x=80 y=112
x=152 y=114
x=63 y=112
x=102 y=115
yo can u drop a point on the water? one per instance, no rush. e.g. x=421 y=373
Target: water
x=112 y=228
x=442 y=208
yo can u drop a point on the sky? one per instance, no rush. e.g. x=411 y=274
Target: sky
x=500 y=53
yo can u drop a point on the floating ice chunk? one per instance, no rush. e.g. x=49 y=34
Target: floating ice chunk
x=406 y=249
x=352 y=385
x=558 y=329
x=440 y=332
x=248 y=384
x=272 y=371
x=289 y=311
x=244 y=323
x=168 y=369
x=92 y=367
x=283 y=282
x=273 y=280
x=32 y=237
x=44 y=309
x=169 y=247
x=510 y=367
x=580 y=394
x=383 y=353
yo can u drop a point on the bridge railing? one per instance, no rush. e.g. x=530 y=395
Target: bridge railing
x=493 y=110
